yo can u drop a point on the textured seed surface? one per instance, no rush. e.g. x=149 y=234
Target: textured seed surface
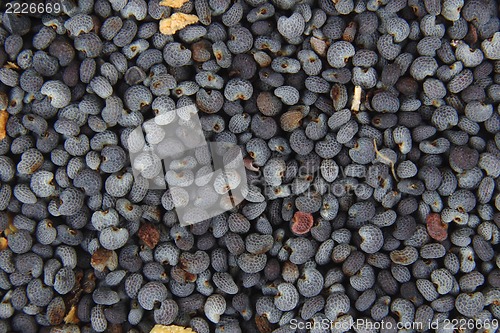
x=369 y=138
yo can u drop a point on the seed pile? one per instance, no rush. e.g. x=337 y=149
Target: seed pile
x=383 y=207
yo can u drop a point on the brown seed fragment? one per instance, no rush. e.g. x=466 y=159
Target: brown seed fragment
x=4 y=116
x=290 y=271
x=149 y=234
x=436 y=228
x=55 y=314
x=335 y=93
x=263 y=324
x=88 y=284
x=102 y=259
x=176 y=22
x=472 y=35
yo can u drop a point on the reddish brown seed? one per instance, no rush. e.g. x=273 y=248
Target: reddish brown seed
x=290 y=271
x=302 y=223
x=335 y=93
x=406 y=86
x=149 y=234
x=55 y=314
x=435 y=227
x=350 y=32
x=201 y=50
x=471 y=37
x=291 y=120
x=268 y=104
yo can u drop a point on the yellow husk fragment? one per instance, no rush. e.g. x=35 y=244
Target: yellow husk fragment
x=3 y=243
x=171 y=329
x=176 y=22
x=72 y=317
x=11 y=228
x=173 y=3
x=11 y=65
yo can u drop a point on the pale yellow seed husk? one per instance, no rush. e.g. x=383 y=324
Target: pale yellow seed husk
x=173 y=3
x=176 y=22
x=11 y=65
x=171 y=329
x=3 y=243
x=72 y=316
x=356 y=101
